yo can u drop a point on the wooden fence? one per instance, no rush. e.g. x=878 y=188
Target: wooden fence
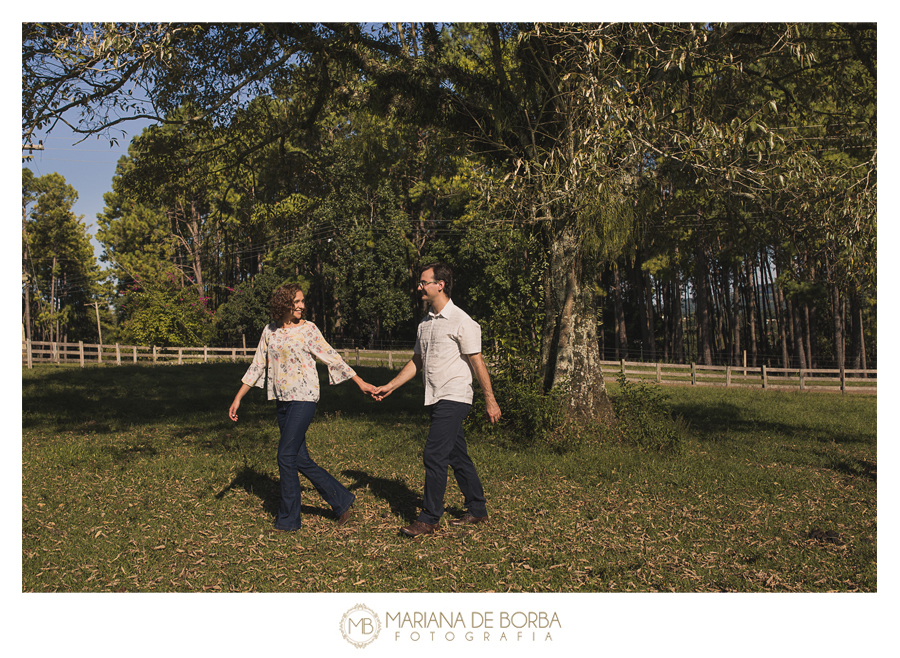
x=837 y=379
x=85 y=354
x=806 y=379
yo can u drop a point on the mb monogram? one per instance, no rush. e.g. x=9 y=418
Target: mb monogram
x=360 y=626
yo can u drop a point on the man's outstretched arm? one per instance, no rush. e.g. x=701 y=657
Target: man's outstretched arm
x=410 y=370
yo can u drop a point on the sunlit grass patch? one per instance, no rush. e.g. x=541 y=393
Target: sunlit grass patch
x=136 y=481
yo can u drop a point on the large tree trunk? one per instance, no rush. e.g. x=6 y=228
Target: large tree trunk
x=570 y=355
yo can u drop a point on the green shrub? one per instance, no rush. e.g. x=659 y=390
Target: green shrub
x=530 y=416
x=165 y=314
x=644 y=419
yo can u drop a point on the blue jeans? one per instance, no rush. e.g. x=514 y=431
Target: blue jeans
x=293 y=457
x=446 y=446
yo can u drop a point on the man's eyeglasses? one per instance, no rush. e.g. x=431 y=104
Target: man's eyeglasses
x=422 y=284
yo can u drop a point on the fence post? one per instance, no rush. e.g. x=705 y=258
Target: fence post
x=233 y=354
x=134 y=351
x=179 y=355
x=204 y=354
x=727 y=376
x=390 y=360
x=154 y=354
x=81 y=352
x=118 y=355
x=693 y=374
x=28 y=354
x=802 y=383
x=765 y=377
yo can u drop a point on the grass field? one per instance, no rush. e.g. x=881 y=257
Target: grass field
x=133 y=479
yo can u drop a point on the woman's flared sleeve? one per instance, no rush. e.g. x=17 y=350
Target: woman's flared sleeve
x=338 y=370
x=256 y=373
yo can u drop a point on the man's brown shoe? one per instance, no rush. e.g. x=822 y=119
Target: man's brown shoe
x=419 y=528
x=343 y=518
x=468 y=519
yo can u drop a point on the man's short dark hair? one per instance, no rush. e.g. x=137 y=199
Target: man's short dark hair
x=442 y=272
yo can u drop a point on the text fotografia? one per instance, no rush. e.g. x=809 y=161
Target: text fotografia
x=478 y=626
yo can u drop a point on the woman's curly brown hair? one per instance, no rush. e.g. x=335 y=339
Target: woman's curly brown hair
x=282 y=301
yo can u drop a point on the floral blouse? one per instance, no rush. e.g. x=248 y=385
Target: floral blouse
x=289 y=355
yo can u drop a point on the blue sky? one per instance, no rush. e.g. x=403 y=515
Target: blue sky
x=87 y=166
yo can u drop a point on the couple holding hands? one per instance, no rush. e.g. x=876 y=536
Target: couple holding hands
x=447 y=352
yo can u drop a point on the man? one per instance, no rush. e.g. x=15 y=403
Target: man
x=447 y=352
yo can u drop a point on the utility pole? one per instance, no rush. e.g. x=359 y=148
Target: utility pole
x=96 y=306
x=30 y=148
x=25 y=279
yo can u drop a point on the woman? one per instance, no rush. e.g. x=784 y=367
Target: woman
x=287 y=352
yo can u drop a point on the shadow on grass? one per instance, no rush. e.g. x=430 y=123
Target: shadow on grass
x=711 y=422
x=855 y=468
x=130 y=453
x=402 y=500
x=261 y=485
x=268 y=490
x=113 y=397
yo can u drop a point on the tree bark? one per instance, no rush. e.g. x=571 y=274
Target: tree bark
x=678 y=318
x=767 y=305
x=736 y=317
x=651 y=320
x=838 y=324
x=752 y=309
x=799 y=348
x=621 y=337
x=570 y=354
x=856 y=338
x=783 y=328
x=640 y=298
x=53 y=301
x=704 y=329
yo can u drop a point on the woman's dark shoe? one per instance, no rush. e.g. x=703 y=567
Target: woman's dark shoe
x=343 y=518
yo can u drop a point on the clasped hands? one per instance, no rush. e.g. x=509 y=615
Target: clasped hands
x=375 y=392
